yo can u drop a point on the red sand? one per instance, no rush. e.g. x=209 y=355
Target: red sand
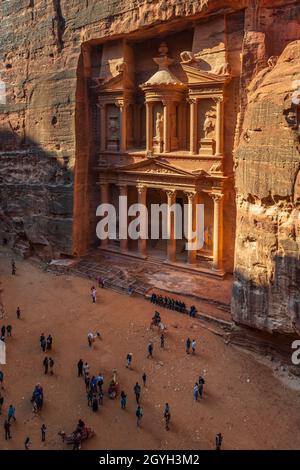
x=243 y=399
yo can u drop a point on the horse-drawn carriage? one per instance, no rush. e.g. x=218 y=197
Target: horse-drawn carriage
x=37 y=398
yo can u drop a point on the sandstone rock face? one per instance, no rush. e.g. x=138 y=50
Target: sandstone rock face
x=48 y=191
x=267 y=268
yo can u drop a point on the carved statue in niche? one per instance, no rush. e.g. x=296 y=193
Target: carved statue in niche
x=159 y=126
x=209 y=124
x=113 y=133
x=208 y=237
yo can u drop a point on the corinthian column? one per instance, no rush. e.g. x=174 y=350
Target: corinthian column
x=171 y=195
x=102 y=126
x=219 y=127
x=217 y=240
x=192 y=253
x=142 y=242
x=166 y=126
x=149 y=126
x=193 y=126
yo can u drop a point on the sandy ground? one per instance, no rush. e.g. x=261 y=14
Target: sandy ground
x=242 y=398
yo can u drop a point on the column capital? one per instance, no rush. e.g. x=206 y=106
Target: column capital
x=122 y=187
x=141 y=189
x=216 y=197
x=170 y=192
x=218 y=99
x=191 y=100
x=191 y=195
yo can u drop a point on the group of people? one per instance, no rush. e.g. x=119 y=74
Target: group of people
x=46 y=344
x=190 y=344
x=168 y=302
x=5 y=331
x=198 y=388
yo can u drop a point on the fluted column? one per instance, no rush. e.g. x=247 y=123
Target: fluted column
x=142 y=242
x=192 y=254
x=171 y=250
x=219 y=127
x=149 y=126
x=217 y=238
x=166 y=126
x=123 y=219
x=123 y=118
x=104 y=189
x=193 y=126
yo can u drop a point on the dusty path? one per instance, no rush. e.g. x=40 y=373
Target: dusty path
x=243 y=400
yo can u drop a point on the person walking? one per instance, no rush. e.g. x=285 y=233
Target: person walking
x=95 y=403
x=18 y=312
x=162 y=341
x=137 y=391
x=201 y=384
x=27 y=443
x=46 y=365
x=86 y=369
x=196 y=391
x=194 y=344
x=123 y=400
x=129 y=360
x=51 y=365
x=49 y=343
x=90 y=397
x=93 y=293
x=167 y=415
x=11 y=413
x=219 y=440
x=139 y=415
x=80 y=368
x=150 y=350
x=43 y=432
x=90 y=338
x=188 y=345
x=7 y=430
x=1 y=402
x=43 y=342
x=8 y=330
x=144 y=378
x=3 y=329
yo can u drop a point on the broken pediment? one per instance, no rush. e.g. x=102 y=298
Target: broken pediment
x=201 y=77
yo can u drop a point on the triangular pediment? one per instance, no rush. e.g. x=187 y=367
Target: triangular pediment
x=196 y=76
x=112 y=84
x=154 y=166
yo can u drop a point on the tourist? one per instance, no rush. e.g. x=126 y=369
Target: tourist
x=123 y=400
x=90 y=397
x=11 y=413
x=1 y=402
x=1 y=379
x=7 y=430
x=49 y=342
x=27 y=443
x=80 y=367
x=86 y=369
x=43 y=432
x=194 y=344
x=167 y=415
x=196 y=391
x=90 y=338
x=150 y=350
x=51 y=364
x=18 y=313
x=100 y=397
x=3 y=329
x=93 y=293
x=201 y=383
x=162 y=341
x=46 y=364
x=8 y=330
x=95 y=403
x=137 y=391
x=139 y=415
x=129 y=360
x=188 y=345
x=13 y=267
x=87 y=381
x=219 y=439
x=43 y=342
x=144 y=378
